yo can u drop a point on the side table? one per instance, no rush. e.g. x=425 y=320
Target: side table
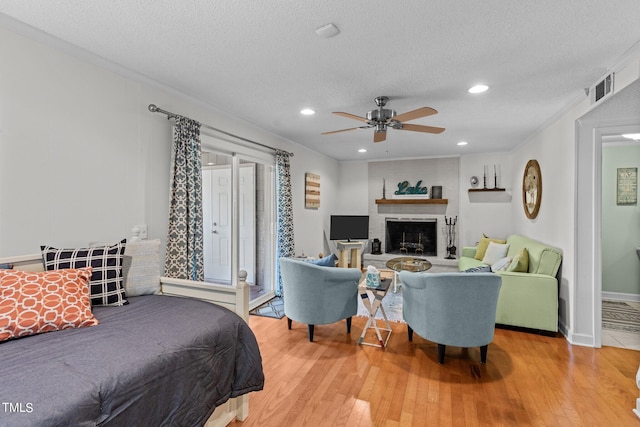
x=405 y=263
x=372 y=300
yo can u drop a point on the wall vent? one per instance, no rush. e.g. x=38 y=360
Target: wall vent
x=602 y=89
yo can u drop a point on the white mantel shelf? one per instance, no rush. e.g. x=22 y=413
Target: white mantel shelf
x=412 y=201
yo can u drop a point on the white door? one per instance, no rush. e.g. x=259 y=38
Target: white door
x=216 y=201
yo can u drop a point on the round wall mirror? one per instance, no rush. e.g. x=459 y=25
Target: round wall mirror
x=532 y=189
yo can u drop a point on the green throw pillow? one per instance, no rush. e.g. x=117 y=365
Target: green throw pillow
x=520 y=263
x=484 y=244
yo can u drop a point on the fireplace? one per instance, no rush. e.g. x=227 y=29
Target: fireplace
x=412 y=237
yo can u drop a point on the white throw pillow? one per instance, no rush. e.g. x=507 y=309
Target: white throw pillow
x=141 y=268
x=501 y=264
x=495 y=252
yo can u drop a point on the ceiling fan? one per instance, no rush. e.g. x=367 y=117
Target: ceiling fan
x=384 y=118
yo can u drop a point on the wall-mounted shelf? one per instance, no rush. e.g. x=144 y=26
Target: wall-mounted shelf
x=473 y=190
x=489 y=195
x=412 y=201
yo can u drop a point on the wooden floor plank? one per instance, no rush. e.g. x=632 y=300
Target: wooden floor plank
x=529 y=380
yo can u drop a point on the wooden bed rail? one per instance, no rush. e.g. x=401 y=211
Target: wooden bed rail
x=235 y=298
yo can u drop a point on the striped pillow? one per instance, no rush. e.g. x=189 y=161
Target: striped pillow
x=106 y=285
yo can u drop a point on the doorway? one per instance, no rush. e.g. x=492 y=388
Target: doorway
x=620 y=238
x=617 y=115
x=216 y=200
x=239 y=217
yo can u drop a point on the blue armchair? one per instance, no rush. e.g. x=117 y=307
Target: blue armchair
x=457 y=309
x=318 y=295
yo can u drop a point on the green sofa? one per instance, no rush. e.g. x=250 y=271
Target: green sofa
x=528 y=300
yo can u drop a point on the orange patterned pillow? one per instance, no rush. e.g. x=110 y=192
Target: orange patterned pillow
x=33 y=303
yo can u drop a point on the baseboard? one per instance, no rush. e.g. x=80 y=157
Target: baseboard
x=562 y=328
x=581 y=339
x=620 y=296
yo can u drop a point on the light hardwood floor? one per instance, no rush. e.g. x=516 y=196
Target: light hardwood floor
x=529 y=380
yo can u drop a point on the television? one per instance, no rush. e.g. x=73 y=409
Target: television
x=349 y=227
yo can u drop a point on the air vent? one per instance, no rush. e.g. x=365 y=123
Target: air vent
x=602 y=89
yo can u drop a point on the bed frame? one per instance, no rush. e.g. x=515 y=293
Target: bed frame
x=235 y=298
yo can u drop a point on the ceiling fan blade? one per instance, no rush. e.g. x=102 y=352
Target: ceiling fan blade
x=421 y=128
x=379 y=136
x=351 y=116
x=415 y=114
x=337 y=131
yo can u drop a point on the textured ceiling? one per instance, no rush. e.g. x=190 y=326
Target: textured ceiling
x=262 y=61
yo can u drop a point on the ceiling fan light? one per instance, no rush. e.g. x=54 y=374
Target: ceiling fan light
x=307 y=112
x=478 y=88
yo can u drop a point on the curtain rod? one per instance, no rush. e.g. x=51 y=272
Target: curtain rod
x=155 y=109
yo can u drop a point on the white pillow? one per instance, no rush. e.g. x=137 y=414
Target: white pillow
x=501 y=264
x=495 y=252
x=141 y=268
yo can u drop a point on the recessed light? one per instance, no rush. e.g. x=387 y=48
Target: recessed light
x=462 y=143
x=478 y=88
x=362 y=150
x=327 y=31
x=634 y=136
x=307 y=112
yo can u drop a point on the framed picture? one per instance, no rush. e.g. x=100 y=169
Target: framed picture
x=627 y=187
x=312 y=191
x=532 y=189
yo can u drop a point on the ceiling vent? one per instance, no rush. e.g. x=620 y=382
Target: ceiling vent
x=602 y=89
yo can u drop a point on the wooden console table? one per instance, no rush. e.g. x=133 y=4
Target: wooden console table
x=350 y=254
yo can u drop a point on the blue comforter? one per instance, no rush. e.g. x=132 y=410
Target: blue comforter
x=158 y=361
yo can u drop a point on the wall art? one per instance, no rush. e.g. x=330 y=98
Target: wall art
x=627 y=187
x=312 y=191
x=532 y=189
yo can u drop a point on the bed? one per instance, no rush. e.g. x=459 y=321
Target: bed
x=159 y=360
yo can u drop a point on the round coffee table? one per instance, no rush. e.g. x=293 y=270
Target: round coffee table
x=407 y=263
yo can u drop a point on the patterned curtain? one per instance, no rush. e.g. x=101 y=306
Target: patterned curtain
x=284 y=221
x=185 y=259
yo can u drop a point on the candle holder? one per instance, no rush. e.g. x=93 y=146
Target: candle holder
x=484 y=177
x=403 y=245
x=419 y=247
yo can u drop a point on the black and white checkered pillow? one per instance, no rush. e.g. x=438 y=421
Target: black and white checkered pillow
x=106 y=283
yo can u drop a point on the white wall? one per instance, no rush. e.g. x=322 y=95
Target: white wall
x=489 y=217
x=82 y=159
x=554 y=149
x=486 y=213
x=567 y=193
x=352 y=195
x=309 y=224
x=429 y=172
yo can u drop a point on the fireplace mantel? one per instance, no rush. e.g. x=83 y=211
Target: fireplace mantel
x=412 y=201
